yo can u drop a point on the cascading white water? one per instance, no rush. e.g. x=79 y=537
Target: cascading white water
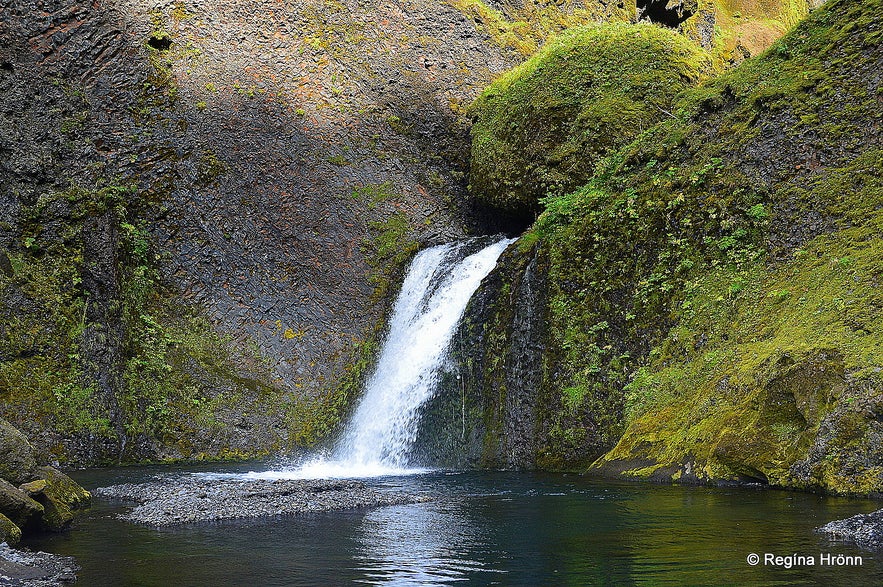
x=433 y=298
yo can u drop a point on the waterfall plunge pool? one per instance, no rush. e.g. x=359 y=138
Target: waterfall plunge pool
x=480 y=528
x=484 y=528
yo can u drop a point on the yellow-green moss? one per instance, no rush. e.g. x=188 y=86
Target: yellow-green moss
x=715 y=291
x=524 y=28
x=541 y=127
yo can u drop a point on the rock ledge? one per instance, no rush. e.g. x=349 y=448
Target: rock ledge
x=866 y=530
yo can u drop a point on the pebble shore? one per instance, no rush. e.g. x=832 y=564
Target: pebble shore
x=165 y=503
x=20 y=567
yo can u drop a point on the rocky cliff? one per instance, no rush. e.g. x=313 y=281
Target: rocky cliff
x=206 y=206
x=713 y=308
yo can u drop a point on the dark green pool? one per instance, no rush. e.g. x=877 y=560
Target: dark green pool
x=483 y=528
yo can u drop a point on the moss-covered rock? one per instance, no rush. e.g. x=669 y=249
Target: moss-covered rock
x=61 y=498
x=714 y=303
x=9 y=532
x=46 y=498
x=17 y=505
x=17 y=460
x=770 y=370
x=541 y=127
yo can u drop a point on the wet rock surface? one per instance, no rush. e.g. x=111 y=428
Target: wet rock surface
x=276 y=148
x=24 y=568
x=865 y=530
x=166 y=503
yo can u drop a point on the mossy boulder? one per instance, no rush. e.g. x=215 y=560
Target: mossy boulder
x=541 y=128
x=60 y=498
x=17 y=505
x=9 y=532
x=17 y=462
x=45 y=498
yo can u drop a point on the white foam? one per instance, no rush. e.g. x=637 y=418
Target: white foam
x=377 y=441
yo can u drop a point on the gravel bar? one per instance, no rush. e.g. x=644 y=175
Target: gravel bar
x=164 y=503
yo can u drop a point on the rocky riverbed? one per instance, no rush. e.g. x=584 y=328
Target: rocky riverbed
x=164 y=503
x=24 y=568
x=866 y=530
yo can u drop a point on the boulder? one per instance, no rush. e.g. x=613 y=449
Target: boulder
x=9 y=532
x=60 y=498
x=16 y=505
x=33 y=488
x=17 y=461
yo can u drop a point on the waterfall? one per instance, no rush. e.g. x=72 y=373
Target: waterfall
x=378 y=438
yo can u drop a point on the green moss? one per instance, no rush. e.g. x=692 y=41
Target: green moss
x=209 y=167
x=388 y=250
x=373 y=194
x=177 y=377
x=541 y=127
x=44 y=305
x=60 y=498
x=9 y=532
x=716 y=315
x=316 y=418
x=180 y=376
x=771 y=368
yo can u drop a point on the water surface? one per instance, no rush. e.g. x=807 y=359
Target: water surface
x=481 y=528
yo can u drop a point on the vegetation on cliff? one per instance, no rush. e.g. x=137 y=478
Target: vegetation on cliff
x=714 y=297
x=203 y=273
x=730 y=29
x=541 y=127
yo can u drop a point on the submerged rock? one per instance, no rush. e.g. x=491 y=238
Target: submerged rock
x=23 y=568
x=180 y=502
x=866 y=530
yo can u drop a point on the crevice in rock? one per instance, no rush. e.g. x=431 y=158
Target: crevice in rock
x=670 y=13
x=160 y=43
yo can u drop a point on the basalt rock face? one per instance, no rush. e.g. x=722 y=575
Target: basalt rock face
x=487 y=410
x=206 y=208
